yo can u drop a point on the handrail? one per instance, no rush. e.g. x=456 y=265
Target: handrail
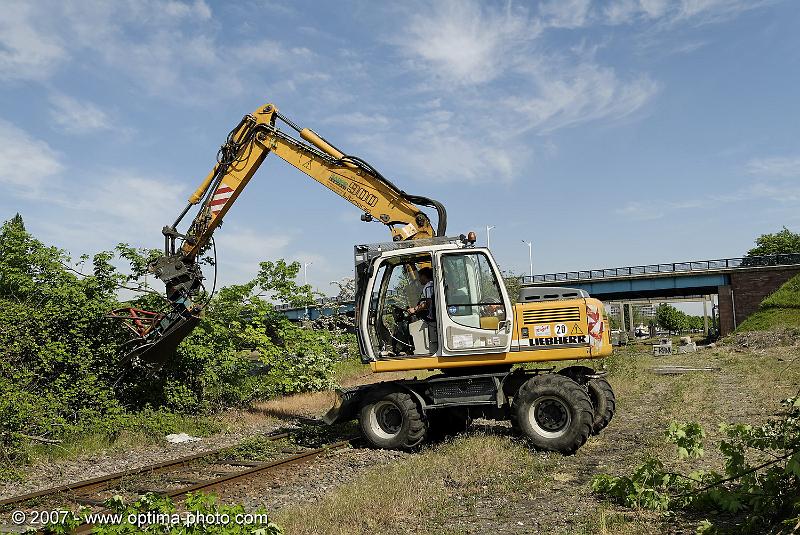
x=673 y=267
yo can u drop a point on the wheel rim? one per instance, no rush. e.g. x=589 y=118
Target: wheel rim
x=385 y=419
x=550 y=416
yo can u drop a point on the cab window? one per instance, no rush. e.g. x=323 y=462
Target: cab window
x=393 y=331
x=472 y=291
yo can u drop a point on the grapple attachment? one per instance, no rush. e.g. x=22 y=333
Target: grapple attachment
x=157 y=334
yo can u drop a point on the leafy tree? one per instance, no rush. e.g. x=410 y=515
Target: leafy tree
x=670 y=318
x=513 y=284
x=58 y=352
x=783 y=242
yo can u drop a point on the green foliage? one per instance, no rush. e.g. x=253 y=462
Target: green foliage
x=688 y=439
x=61 y=360
x=675 y=321
x=781 y=309
x=787 y=296
x=157 y=514
x=58 y=352
x=761 y=481
x=783 y=242
x=670 y=318
x=771 y=319
x=513 y=285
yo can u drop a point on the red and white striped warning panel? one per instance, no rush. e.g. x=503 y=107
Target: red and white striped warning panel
x=220 y=197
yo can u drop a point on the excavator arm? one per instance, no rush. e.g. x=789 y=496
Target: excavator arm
x=243 y=152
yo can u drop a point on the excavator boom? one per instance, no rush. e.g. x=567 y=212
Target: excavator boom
x=247 y=145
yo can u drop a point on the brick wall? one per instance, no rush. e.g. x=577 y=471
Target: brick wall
x=751 y=287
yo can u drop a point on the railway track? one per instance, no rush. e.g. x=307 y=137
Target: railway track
x=174 y=478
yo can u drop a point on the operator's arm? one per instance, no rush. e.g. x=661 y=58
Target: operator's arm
x=421 y=307
x=425 y=300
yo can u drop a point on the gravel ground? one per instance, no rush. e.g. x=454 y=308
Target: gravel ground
x=47 y=475
x=309 y=481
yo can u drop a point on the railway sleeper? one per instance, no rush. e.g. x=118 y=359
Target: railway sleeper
x=555 y=411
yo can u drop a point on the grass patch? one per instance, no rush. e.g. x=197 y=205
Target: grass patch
x=779 y=310
x=768 y=319
x=348 y=369
x=606 y=521
x=124 y=432
x=418 y=494
x=256 y=449
x=787 y=296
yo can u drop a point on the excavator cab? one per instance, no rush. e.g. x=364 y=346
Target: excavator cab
x=471 y=309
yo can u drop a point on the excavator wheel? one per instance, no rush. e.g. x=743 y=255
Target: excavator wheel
x=600 y=392
x=603 y=401
x=554 y=412
x=391 y=419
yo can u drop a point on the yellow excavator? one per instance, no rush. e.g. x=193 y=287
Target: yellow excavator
x=423 y=301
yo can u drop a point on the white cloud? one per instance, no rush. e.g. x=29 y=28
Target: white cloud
x=128 y=197
x=25 y=52
x=695 y=12
x=358 y=119
x=769 y=191
x=565 y=13
x=76 y=116
x=26 y=163
x=775 y=167
x=463 y=42
x=564 y=95
x=167 y=48
x=489 y=80
x=241 y=248
x=198 y=9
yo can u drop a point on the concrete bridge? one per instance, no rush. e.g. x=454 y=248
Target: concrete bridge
x=739 y=283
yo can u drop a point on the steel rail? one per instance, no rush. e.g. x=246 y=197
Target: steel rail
x=180 y=493
x=93 y=483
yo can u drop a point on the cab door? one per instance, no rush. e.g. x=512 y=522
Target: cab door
x=474 y=311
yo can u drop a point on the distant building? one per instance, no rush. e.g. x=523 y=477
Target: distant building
x=646 y=311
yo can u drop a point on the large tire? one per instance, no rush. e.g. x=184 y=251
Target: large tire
x=603 y=401
x=390 y=419
x=447 y=422
x=554 y=412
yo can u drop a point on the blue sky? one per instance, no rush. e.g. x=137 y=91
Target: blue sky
x=608 y=133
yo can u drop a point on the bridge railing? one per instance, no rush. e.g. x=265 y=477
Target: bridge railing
x=674 y=267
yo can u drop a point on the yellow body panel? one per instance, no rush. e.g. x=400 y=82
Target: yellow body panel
x=537 y=337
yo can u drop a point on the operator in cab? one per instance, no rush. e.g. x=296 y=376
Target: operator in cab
x=426 y=308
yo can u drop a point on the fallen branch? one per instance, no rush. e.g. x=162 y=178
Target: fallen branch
x=39 y=439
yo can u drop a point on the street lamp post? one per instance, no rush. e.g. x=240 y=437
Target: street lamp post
x=305 y=282
x=488 y=243
x=530 y=255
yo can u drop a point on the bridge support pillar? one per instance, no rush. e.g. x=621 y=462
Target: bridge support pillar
x=631 y=326
x=727 y=312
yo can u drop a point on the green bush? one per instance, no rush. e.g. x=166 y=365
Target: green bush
x=62 y=366
x=760 y=484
